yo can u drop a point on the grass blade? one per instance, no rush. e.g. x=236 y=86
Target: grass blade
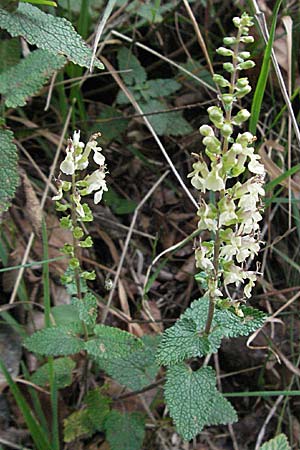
x=263 y=76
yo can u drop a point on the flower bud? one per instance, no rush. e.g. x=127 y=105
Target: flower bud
x=242 y=82
x=221 y=81
x=227 y=99
x=215 y=113
x=247 y=39
x=241 y=117
x=223 y=51
x=206 y=130
x=240 y=93
x=228 y=67
x=229 y=40
x=246 y=65
x=212 y=143
x=244 y=55
x=236 y=22
x=227 y=130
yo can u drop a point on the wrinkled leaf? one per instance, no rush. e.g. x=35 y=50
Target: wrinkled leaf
x=194 y=401
x=136 y=370
x=90 y=419
x=54 y=341
x=112 y=343
x=62 y=368
x=87 y=308
x=187 y=339
x=125 y=431
x=280 y=442
x=55 y=34
x=26 y=79
x=9 y=177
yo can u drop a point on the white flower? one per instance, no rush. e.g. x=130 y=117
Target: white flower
x=79 y=207
x=59 y=194
x=208 y=217
x=68 y=164
x=76 y=140
x=95 y=182
x=214 y=182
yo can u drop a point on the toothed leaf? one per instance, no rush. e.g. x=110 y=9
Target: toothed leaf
x=62 y=367
x=125 y=431
x=55 y=34
x=54 y=341
x=194 y=401
x=280 y=442
x=111 y=343
x=26 y=78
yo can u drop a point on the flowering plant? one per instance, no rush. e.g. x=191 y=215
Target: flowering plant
x=77 y=159
x=233 y=218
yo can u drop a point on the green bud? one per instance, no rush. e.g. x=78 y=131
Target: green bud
x=246 y=65
x=78 y=232
x=244 y=55
x=88 y=275
x=223 y=51
x=229 y=40
x=68 y=249
x=66 y=185
x=241 y=117
x=227 y=130
x=206 y=130
x=227 y=99
x=88 y=217
x=66 y=222
x=228 y=67
x=221 y=81
x=74 y=263
x=61 y=207
x=247 y=39
x=215 y=114
x=240 y=93
x=242 y=82
x=236 y=22
x=88 y=242
x=212 y=143
x=66 y=279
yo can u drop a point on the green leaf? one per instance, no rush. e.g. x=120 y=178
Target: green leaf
x=26 y=79
x=68 y=317
x=186 y=339
x=125 y=431
x=9 y=178
x=166 y=123
x=194 y=401
x=87 y=308
x=89 y=420
x=62 y=368
x=162 y=87
x=112 y=343
x=127 y=61
x=76 y=425
x=10 y=53
x=280 y=442
x=136 y=370
x=55 y=34
x=54 y=341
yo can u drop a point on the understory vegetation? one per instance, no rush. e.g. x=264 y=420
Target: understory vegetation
x=149 y=225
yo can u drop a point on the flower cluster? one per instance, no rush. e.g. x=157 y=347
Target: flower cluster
x=76 y=161
x=234 y=215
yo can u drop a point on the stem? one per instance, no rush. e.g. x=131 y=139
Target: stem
x=75 y=240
